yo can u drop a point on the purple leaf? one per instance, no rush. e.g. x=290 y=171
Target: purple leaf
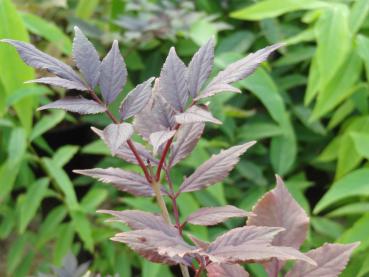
x=163 y=112
x=187 y=137
x=172 y=83
x=251 y=243
x=38 y=59
x=126 y=181
x=125 y=153
x=226 y=270
x=196 y=114
x=86 y=57
x=136 y=100
x=331 y=260
x=75 y=104
x=159 y=138
x=117 y=134
x=215 y=169
x=140 y=220
x=113 y=75
x=277 y=208
x=215 y=215
x=156 y=246
x=217 y=88
x=240 y=69
x=200 y=68
x=60 y=82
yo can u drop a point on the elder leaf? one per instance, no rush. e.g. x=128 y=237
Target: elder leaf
x=241 y=69
x=117 y=134
x=113 y=75
x=60 y=82
x=159 y=138
x=215 y=215
x=38 y=59
x=200 y=67
x=217 y=88
x=215 y=169
x=136 y=100
x=196 y=114
x=172 y=84
x=126 y=181
x=125 y=153
x=277 y=208
x=86 y=58
x=331 y=260
x=251 y=243
x=187 y=137
x=75 y=104
x=163 y=112
x=156 y=245
x=226 y=270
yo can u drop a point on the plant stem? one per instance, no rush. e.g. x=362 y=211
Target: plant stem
x=174 y=201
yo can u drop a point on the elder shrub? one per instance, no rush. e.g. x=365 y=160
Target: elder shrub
x=169 y=114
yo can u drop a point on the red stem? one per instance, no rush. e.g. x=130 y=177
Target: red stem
x=129 y=142
x=174 y=201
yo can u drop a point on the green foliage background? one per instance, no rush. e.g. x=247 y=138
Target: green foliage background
x=308 y=107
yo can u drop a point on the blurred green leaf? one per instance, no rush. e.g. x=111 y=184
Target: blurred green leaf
x=64 y=154
x=83 y=228
x=46 y=123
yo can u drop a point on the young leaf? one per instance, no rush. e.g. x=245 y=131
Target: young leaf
x=38 y=59
x=215 y=169
x=77 y=104
x=136 y=100
x=139 y=220
x=117 y=134
x=123 y=180
x=200 y=67
x=196 y=114
x=113 y=75
x=277 y=208
x=215 y=215
x=156 y=245
x=241 y=69
x=86 y=57
x=251 y=243
x=187 y=137
x=331 y=259
x=60 y=82
x=159 y=138
x=172 y=84
x=226 y=270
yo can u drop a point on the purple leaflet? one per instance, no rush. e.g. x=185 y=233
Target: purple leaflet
x=196 y=114
x=115 y=135
x=215 y=169
x=60 y=82
x=217 y=89
x=126 y=181
x=200 y=67
x=226 y=270
x=240 y=69
x=331 y=260
x=172 y=85
x=215 y=215
x=38 y=59
x=86 y=58
x=187 y=137
x=75 y=104
x=159 y=138
x=113 y=75
x=136 y=100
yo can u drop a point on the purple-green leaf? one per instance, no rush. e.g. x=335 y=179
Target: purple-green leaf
x=136 y=100
x=331 y=260
x=115 y=135
x=75 y=104
x=126 y=181
x=172 y=82
x=113 y=74
x=215 y=169
x=157 y=139
x=226 y=270
x=60 y=82
x=196 y=114
x=214 y=215
x=200 y=67
x=86 y=58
